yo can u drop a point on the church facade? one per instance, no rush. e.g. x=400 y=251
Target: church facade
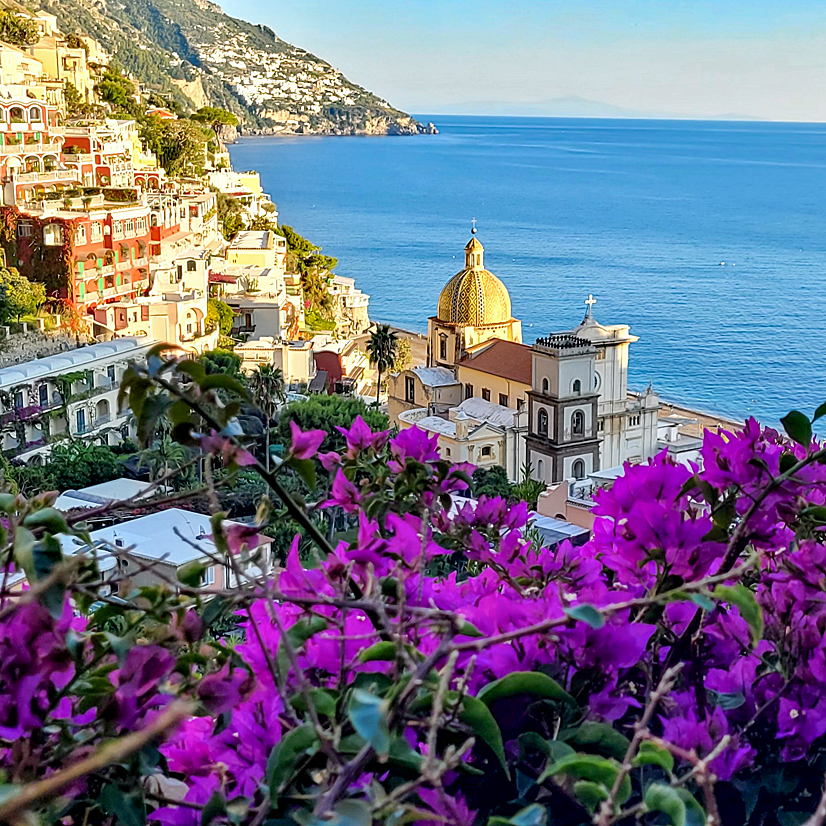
x=560 y=405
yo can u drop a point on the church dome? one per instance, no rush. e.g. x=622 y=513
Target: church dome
x=474 y=297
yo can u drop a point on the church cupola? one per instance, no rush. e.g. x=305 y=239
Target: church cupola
x=474 y=254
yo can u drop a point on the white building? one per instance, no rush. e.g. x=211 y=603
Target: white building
x=71 y=394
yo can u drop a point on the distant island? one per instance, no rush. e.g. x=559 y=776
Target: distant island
x=571 y=106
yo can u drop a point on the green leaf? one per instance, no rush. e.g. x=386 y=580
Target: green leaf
x=305 y=468
x=587 y=614
x=706 y=603
x=323 y=702
x=524 y=682
x=554 y=749
x=746 y=603
x=477 y=716
x=194 y=369
x=346 y=813
x=650 y=754
x=533 y=815
x=694 y=813
x=820 y=412
x=590 y=794
x=128 y=808
x=403 y=755
x=222 y=381
x=179 y=412
x=798 y=426
x=661 y=798
x=604 y=770
x=298 y=634
x=468 y=629
x=384 y=650
x=368 y=714
x=192 y=574
x=728 y=700
x=601 y=737
x=49 y=519
x=283 y=758
x=216 y=806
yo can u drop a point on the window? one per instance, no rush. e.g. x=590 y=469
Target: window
x=191 y=266
x=24 y=230
x=601 y=354
x=545 y=386
x=80 y=235
x=81 y=421
x=140 y=224
x=189 y=327
x=486 y=394
x=209 y=575
x=468 y=391
x=579 y=469
x=18 y=399
x=578 y=423
x=129 y=226
x=447 y=451
x=540 y=471
x=577 y=388
x=520 y=403
x=180 y=275
x=634 y=421
x=110 y=372
x=409 y=389
x=443 y=347
x=600 y=426
x=542 y=427
x=43 y=394
x=503 y=399
x=36 y=114
x=96 y=234
x=487 y=451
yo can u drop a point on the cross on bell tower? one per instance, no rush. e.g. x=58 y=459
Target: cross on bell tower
x=590 y=301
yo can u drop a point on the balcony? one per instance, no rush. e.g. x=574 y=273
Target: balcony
x=106 y=270
x=29 y=148
x=123 y=265
x=47 y=177
x=140 y=262
x=80 y=158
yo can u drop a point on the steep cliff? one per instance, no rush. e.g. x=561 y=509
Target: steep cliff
x=193 y=51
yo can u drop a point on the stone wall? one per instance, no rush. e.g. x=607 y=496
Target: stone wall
x=16 y=348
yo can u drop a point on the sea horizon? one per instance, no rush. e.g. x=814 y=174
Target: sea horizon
x=675 y=226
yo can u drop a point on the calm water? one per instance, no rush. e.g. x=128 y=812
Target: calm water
x=641 y=213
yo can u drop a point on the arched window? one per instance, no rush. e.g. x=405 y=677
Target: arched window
x=579 y=469
x=36 y=114
x=443 y=347
x=577 y=387
x=543 y=422
x=540 y=471
x=578 y=423
x=545 y=386
x=17 y=115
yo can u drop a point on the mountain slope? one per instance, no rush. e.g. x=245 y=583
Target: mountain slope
x=192 y=50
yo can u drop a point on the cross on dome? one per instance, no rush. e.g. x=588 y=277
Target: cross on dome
x=590 y=301
x=473 y=224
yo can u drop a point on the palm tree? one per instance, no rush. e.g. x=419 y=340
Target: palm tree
x=269 y=393
x=382 y=349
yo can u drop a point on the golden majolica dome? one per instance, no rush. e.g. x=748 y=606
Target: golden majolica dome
x=474 y=297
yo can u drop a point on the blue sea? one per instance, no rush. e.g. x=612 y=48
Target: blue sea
x=708 y=238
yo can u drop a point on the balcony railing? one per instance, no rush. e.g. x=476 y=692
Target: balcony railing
x=108 y=269
x=123 y=265
x=29 y=148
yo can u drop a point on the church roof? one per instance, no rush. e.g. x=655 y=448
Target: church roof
x=474 y=297
x=506 y=359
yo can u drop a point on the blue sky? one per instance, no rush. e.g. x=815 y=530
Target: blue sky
x=691 y=57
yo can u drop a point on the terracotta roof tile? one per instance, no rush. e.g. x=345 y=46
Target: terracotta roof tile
x=506 y=359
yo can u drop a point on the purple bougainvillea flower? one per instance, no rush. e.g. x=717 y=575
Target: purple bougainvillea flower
x=305 y=443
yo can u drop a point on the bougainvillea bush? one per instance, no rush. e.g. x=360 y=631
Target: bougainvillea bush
x=434 y=666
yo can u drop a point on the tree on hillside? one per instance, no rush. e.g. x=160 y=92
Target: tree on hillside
x=118 y=91
x=75 y=104
x=216 y=118
x=268 y=392
x=18 y=295
x=179 y=145
x=327 y=413
x=220 y=315
x=492 y=481
x=382 y=349
x=230 y=216
x=18 y=29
